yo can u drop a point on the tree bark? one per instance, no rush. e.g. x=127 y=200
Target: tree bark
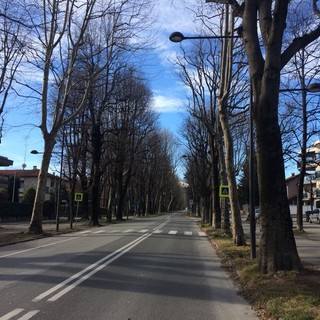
x=277 y=244
x=35 y=226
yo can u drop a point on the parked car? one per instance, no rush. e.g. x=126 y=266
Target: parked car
x=315 y=216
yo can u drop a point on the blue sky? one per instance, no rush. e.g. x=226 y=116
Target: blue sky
x=21 y=134
x=169 y=95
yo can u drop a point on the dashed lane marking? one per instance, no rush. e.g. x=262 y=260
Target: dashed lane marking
x=157 y=231
x=17 y=311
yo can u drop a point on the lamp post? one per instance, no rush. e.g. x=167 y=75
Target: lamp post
x=178 y=37
x=312 y=88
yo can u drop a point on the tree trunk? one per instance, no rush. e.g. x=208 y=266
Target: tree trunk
x=35 y=226
x=225 y=219
x=216 y=209
x=278 y=249
x=97 y=142
x=237 y=229
x=303 y=154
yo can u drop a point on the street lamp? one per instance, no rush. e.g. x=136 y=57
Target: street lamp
x=36 y=152
x=178 y=37
x=312 y=88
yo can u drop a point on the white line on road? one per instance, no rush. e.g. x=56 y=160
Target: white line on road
x=35 y=248
x=88 y=275
x=158 y=231
x=173 y=232
x=85 y=231
x=15 y=312
x=29 y=315
x=11 y=314
x=202 y=234
x=143 y=231
x=112 y=256
x=188 y=233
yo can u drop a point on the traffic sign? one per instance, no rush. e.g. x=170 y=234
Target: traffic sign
x=78 y=196
x=224 y=191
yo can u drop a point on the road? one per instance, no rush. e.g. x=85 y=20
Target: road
x=144 y=269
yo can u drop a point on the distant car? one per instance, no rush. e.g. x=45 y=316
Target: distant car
x=315 y=216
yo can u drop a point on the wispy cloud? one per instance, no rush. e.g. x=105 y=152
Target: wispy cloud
x=163 y=103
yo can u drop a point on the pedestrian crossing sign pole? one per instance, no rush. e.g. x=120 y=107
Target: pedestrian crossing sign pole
x=78 y=197
x=224 y=191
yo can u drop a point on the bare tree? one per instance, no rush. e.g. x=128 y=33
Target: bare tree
x=12 y=50
x=198 y=166
x=300 y=116
x=202 y=71
x=263 y=41
x=58 y=35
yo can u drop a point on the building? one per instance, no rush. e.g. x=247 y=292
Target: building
x=311 y=195
x=292 y=188
x=28 y=179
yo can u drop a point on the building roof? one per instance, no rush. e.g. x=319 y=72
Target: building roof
x=5 y=162
x=293 y=176
x=34 y=173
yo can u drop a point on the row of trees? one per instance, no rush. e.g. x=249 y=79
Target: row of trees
x=228 y=76
x=76 y=64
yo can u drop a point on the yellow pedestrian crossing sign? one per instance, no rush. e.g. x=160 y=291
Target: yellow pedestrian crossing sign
x=224 y=191
x=78 y=196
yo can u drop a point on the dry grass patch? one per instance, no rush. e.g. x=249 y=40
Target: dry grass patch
x=284 y=295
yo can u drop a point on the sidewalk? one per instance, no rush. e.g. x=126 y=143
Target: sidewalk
x=12 y=232
x=308 y=242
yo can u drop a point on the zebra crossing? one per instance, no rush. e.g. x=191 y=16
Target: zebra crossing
x=156 y=231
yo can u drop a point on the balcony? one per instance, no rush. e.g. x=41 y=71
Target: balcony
x=309 y=179
x=306 y=196
x=311 y=165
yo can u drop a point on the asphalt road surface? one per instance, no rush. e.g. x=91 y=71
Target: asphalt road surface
x=144 y=269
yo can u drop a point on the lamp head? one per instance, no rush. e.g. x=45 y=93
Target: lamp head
x=176 y=36
x=314 y=87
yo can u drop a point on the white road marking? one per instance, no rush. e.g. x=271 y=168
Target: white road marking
x=188 y=233
x=35 y=248
x=11 y=314
x=158 y=231
x=202 y=234
x=143 y=230
x=173 y=232
x=127 y=231
x=85 y=231
x=95 y=267
x=29 y=315
x=99 y=231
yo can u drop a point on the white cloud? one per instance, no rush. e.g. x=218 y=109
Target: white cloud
x=162 y=103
